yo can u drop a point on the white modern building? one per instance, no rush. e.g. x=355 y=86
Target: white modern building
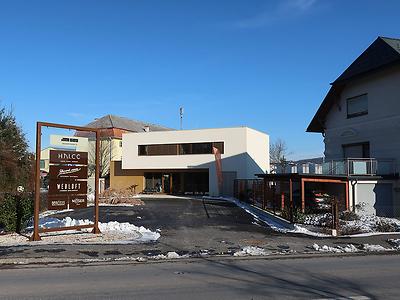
x=203 y=161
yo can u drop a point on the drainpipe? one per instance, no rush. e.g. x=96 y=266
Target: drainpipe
x=353 y=194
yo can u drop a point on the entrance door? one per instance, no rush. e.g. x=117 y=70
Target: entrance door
x=167 y=183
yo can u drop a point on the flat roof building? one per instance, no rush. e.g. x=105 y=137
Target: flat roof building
x=202 y=161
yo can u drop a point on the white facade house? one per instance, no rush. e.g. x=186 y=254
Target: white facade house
x=360 y=122
x=183 y=160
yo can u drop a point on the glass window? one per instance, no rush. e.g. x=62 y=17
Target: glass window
x=42 y=164
x=142 y=150
x=185 y=149
x=357 y=106
x=219 y=146
x=202 y=148
x=180 y=149
x=360 y=150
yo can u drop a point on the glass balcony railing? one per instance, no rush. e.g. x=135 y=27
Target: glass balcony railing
x=344 y=167
x=359 y=167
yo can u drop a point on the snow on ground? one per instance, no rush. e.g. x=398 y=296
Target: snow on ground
x=111 y=233
x=339 y=249
x=169 y=255
x=395 y=243
x=251 y=251
x=350 y=248
x=365 y=225
x=277 y=226
x=375 y=248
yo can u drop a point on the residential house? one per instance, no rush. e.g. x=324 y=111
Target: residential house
x=359 y=119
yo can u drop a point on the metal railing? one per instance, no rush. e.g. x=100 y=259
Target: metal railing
x=344 y=167
x=359 y=166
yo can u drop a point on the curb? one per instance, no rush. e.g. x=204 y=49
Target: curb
x=34 y=263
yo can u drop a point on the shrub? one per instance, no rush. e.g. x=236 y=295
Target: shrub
x=348 y=216
x=15 y=211
x=386 y=226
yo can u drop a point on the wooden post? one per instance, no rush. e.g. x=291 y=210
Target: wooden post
x=265 y=193
x=36 y=236
x=335 y=216
x=347 y=195
x=97 y=180
x=291 y=199
x=303 y=200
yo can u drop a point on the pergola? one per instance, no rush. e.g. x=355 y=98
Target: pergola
x=302 y=179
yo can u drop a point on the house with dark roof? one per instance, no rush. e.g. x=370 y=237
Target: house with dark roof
x=359 y=119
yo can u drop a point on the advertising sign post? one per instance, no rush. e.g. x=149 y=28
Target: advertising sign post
x=68 y=174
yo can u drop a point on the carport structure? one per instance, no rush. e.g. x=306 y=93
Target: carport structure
x=290 y=190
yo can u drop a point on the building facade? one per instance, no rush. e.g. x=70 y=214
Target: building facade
x=360 y=123
x=204 y=161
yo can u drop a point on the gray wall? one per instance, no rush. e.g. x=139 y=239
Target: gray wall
x=380 y=127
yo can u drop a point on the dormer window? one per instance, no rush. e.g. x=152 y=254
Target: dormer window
x=357 y=106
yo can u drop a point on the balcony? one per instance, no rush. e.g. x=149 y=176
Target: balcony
x=345 y=167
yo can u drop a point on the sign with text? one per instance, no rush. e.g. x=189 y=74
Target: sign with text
x=77 y=201
x=58 y=187
x=56 y=202
x=68 y=172
x=68 y=157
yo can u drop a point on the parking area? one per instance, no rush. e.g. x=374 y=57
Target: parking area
x=188 y=225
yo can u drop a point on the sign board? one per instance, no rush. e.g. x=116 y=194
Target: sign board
x=77 y=143
x=78 y=201
x=68 y=172
x=56 y=202
x=59 y=187
x=68 y=181
x=68 y=157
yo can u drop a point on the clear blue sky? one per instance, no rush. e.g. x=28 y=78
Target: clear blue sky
x=264 y=64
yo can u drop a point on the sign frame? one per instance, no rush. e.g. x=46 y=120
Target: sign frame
x=36 y=230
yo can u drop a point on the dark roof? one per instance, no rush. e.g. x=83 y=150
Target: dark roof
x=381 y=53
x=111 y=121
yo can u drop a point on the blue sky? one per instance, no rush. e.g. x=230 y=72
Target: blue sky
x=263 y=64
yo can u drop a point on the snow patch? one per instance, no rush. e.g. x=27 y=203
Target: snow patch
x=375 y=248
x=251 y=251
x=395 y=243
x=350 y=248
x=339 y=249
x=111 y=232
x=169 y=255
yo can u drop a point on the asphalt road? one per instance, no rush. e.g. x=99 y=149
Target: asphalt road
x=189 y=227
x=360 y=277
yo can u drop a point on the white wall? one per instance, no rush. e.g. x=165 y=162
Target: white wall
x=374 y=197
x=380 y=127
x=245 y=151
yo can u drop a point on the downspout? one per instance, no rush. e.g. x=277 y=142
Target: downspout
x=353 y=194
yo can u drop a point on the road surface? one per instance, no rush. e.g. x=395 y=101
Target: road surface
x=352 y=277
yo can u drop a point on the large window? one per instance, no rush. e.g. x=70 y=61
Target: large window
x=180 y=149
x=357 y=106
x=358 y=150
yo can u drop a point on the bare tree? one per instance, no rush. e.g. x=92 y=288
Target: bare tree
x=105 y=155
x=278 y=153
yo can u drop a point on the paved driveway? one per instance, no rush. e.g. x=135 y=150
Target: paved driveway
x=189 y=225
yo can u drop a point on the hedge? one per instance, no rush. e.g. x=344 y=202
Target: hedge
x=15 y=211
